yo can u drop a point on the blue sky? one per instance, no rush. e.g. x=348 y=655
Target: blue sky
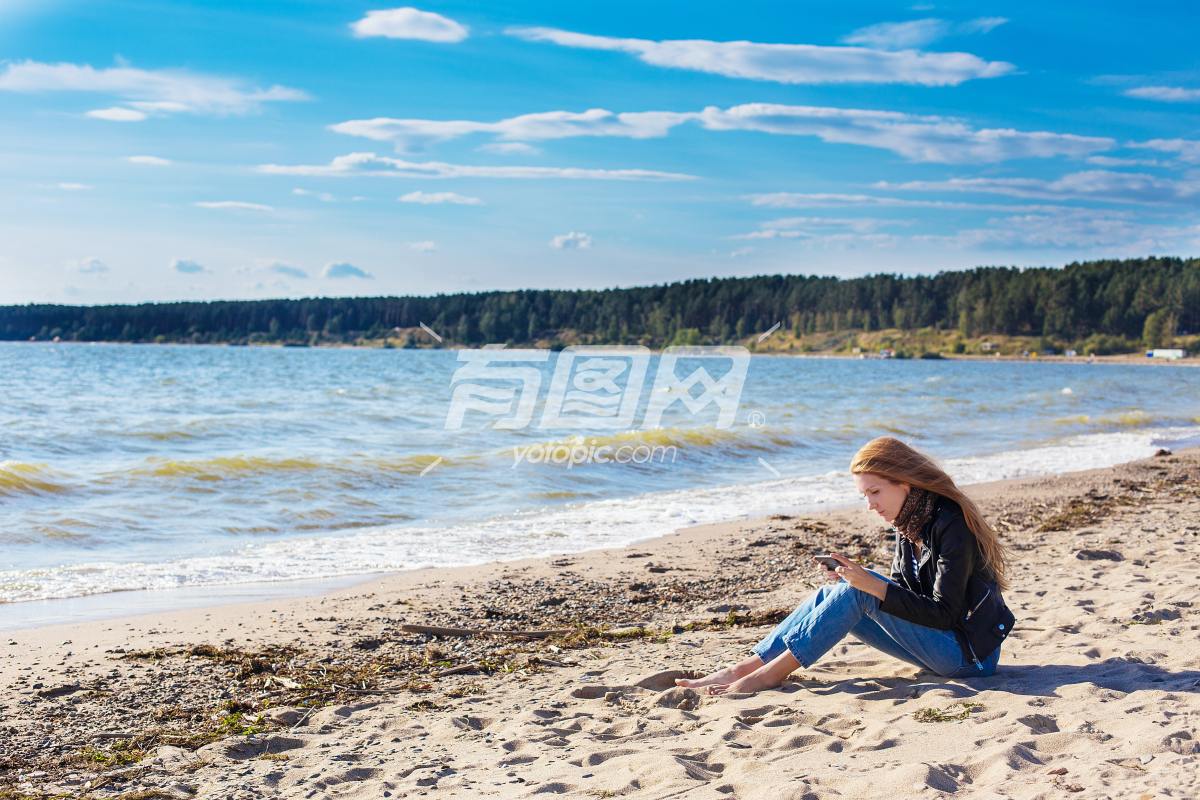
x=186 y=150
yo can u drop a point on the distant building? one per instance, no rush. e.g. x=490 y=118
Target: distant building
x=1070 y=354
x=987 y=347
x=887 y=352
x=1169 y=353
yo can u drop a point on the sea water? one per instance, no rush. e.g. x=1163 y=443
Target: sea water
x=128 y=467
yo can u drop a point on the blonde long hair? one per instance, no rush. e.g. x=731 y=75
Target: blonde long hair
x=893 y=459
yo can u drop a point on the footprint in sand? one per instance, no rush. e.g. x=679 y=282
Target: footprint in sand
x=596 y=759
x=1039 y=723
x=469 y=723
x=682 y=699
x=661 y=681
x=699 y=768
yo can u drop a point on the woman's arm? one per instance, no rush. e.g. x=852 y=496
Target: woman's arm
x=859 y=578
x=955 y=563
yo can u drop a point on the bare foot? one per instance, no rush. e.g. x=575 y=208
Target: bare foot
x=750 y=684
x=720 y=677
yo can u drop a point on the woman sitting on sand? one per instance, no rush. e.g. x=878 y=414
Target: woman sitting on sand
x=940 y=610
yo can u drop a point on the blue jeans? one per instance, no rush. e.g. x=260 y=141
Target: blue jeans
x=834 y=610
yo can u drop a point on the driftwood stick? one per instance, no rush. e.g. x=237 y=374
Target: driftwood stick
x=353 y=690
x=307 y=714
x=550 y=662
x=461 y=669
x=114 y=735
x=439 y=630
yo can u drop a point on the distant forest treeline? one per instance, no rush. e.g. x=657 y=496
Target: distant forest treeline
x=1108 y=305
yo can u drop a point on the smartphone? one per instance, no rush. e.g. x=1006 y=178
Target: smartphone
x=829 y=562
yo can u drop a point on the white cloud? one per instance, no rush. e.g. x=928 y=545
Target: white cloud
x=187 y=266
x=1118 y=187
x=1186 y=150
x=786 y=63
x=91 y=266
x=1165 y=94
x=773 y=233
x=837 y=240
x=1113 y=161
x=372 y=164
x=234 y=205
x=410 y=23
x=571 y=241
x=1072 y=229
x=436 y=198
x=426 y=246
x=509 y=149
x=1069 y=229
x=116 y=114
x=863 y=224
x=143 y=92
x=918 y=32
x=834 y=199
x=344 y=270
x=68 y=186
x=324 y=197
x=980 y=25
x=148 y=161
x=837 y=200
x=899 y=35
x=280 y=268
x=917 y=138
x=408 y=134
x=808 y=227
x=740 y=252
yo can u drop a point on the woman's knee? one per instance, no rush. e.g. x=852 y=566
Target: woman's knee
x=825 y=589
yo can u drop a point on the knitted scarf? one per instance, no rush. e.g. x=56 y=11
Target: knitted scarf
x=916 y=511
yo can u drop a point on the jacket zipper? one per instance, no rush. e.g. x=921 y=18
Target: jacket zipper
x=974 y=657
x=977 y=605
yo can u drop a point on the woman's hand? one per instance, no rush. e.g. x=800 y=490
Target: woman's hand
x=827 y=575
x=858 y=577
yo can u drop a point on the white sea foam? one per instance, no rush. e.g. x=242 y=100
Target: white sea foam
x=565 y=529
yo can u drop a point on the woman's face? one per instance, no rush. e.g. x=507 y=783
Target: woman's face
x=883 y=497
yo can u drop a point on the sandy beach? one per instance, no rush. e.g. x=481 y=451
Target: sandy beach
x=333 y=696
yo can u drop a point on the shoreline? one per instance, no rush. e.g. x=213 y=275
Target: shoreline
x=105 y=606
x=1122 y=358
x=117 y=605
x=259 y=699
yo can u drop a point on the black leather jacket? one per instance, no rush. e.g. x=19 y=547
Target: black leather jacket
x=935 y=595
